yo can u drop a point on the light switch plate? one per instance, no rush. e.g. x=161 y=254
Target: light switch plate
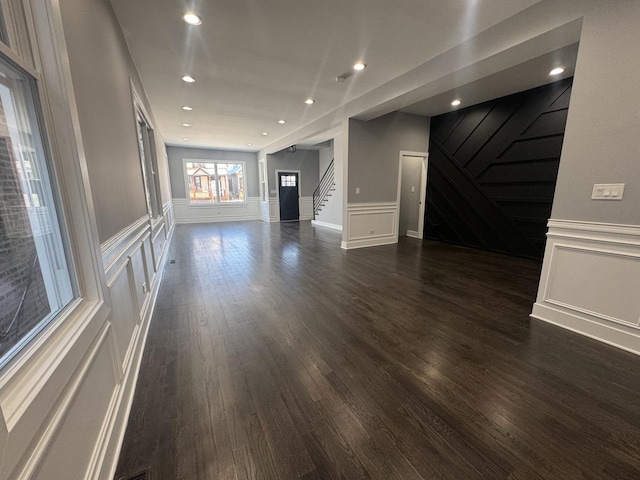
x=607 y=191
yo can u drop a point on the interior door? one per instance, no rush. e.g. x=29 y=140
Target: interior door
x=289 y=196
x=411 y=196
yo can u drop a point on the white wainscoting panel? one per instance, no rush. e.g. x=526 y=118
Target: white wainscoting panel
x=371 y=224
x=65 y=399
x=269 y=211
x=149 y=264
x=274 y=214
x=140 y=285
x=264 y=211
x=159 y=239
x=142 y=260
x=169 y=220
x=35 y=400
x=590 y=281
x=306 y=208
x=90 y=406
x=187 y=213
x=124 y=317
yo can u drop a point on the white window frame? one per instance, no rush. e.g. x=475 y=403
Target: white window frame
x=58 y=280
x=37 y=44
x=151 y=156
x=213 y=204
x=262 y=171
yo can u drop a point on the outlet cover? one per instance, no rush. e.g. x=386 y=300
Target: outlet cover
x=607 y=191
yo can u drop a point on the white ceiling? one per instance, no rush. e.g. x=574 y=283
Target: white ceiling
x=255 y=62
x=523 y=76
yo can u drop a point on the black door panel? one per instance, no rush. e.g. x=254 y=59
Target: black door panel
x=289 y=195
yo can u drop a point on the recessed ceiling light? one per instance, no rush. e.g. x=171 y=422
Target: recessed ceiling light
x=188 y=79
x=309 y=101
x=281 y=122
x=186 y=124
x=185 y=138
x=191 y=18
x=249 y=144
x=187 y=108
x=456 y=102
x=359 y=66
x=265 y=133
x=556 y=71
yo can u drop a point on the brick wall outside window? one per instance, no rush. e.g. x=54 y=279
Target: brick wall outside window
x=18 y=271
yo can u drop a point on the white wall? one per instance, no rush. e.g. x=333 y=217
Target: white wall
x=591 y=272
x=190 y=213
x=600 y=142
x=306 y=161
x=303 y=161
x=176 y=155
x=325 y=155
x=65 y=398
x=372 y=185
x=102 y=89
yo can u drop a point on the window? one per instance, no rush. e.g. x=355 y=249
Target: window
x=3 y=29
x=215 y=182
x=149 y=161
x=35 y=282
x=288 y=181
x=263 y=181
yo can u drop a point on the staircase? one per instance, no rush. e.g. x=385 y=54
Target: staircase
x=325 y=187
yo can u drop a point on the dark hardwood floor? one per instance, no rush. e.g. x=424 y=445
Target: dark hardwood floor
x=274 y=354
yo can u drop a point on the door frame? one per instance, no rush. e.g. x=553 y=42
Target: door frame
x=289 y=170
x=423 y=190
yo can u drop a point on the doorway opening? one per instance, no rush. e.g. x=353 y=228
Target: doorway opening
x=289 y=195
x=412 y=181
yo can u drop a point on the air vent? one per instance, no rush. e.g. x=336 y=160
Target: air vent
x=172 y=261
x=144 y=474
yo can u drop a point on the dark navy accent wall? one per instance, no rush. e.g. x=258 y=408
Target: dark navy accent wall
x=492 y=171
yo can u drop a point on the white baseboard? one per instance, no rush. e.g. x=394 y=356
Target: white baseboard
x=368 y=242
x=590 y=281
x=412 y=234
x=588 y=327
x=332 y=226
x=226 y=218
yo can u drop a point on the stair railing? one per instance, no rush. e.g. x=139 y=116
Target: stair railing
x=324 y=189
